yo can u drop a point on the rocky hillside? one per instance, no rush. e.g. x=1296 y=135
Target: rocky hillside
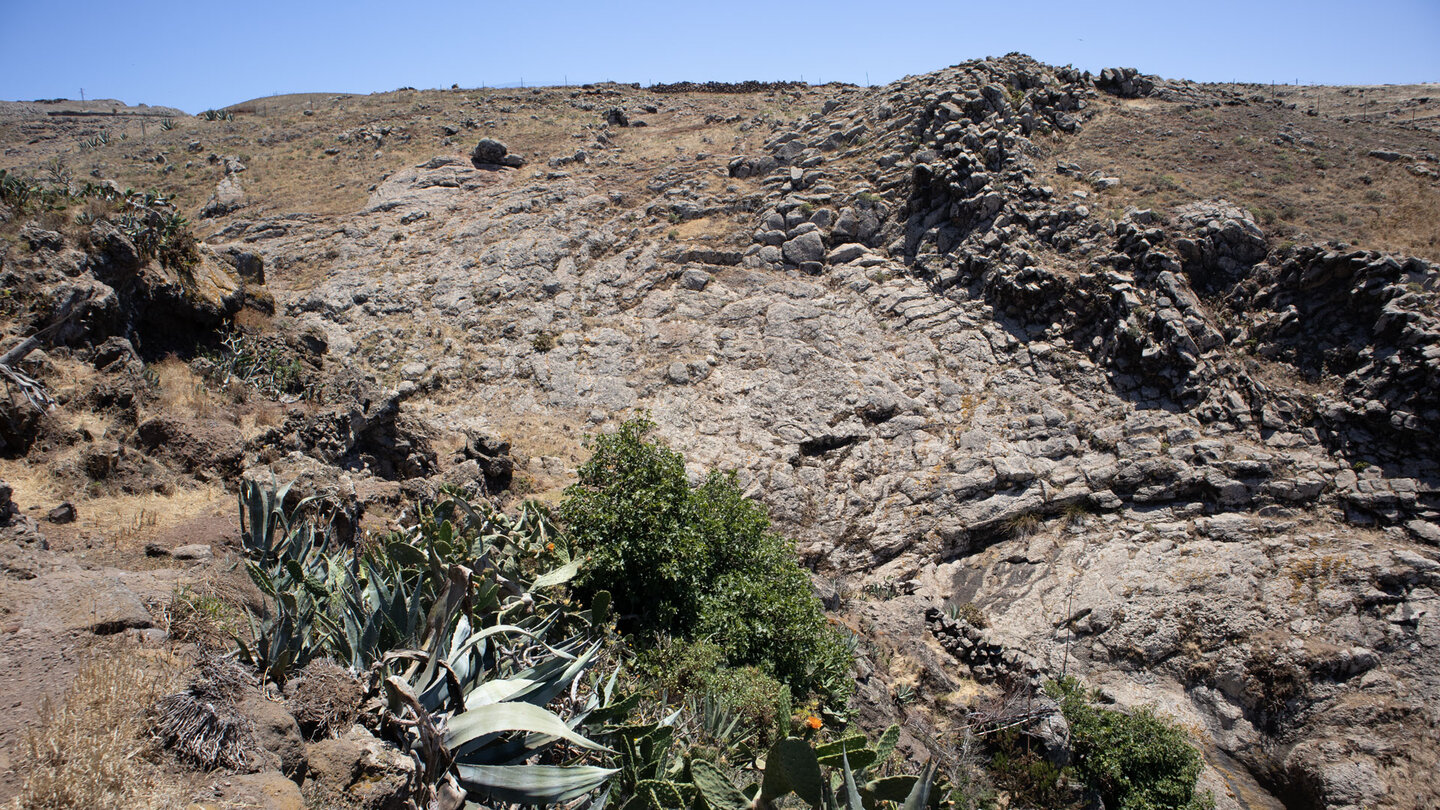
x=1139 y=377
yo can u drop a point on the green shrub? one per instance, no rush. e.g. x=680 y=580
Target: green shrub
x=679 y=670
x=697 y=562
x=1136 y=761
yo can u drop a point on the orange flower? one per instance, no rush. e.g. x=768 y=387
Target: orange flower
x=549 y=546
x=814 y=722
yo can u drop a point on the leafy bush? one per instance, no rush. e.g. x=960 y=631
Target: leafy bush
x=681 y=670
x=266 y=364
x=697 y=562
x=1136 y=761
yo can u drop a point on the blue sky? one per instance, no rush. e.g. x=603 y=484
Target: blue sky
x=200 y=54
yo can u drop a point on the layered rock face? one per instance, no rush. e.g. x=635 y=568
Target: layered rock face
x=1158 y=449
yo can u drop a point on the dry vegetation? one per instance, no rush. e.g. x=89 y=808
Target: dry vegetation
x=298 y=163
x=92 y=749
x=1315 y=183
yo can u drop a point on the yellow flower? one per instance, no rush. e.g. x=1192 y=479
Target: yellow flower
x=814 y=722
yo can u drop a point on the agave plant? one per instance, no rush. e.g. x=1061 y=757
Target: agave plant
x=294 y=566
x=476 y=659
x=15 y=190
x=470 y=703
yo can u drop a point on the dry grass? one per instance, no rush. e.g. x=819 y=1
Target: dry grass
x=1022 y=525
x=325 y=700
x=92 y=749
x=201 y=614
x=184 y=391
x=129 y=520
x=535 y=435
x=1322 y=187
x=1407 y=218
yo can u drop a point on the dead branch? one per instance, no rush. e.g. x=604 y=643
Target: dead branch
x=33 y=391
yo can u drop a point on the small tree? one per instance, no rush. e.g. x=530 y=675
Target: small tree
x=1136 y=761
x=697 y=562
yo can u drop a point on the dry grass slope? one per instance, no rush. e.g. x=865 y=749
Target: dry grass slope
x=92 y=749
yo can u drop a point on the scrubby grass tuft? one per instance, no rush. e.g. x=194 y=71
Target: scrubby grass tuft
x=204 y=723
x=90 y=750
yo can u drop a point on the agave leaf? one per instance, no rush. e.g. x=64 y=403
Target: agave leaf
x=532 y=784
x=852 y=794
x=458 y=579
x=920 y=794
x=496 y=691
x=474 y=727
x=600 y=801
x=549 y=688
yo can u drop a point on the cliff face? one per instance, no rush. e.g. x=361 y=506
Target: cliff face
x=1152 y=438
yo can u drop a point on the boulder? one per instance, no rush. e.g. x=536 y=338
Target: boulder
x=99 y=602
x=229 y=196
x=119 y=255
x=357 y=770
x=39 y=238
x=194 y=445
x=20 y=424
x=277 y=735
x=64 y=513
x=694 y=279
x=492 y=456
x=8 y=509
x=114 y=354
x=267 y=790
x=845 y=253
x=490 y=153
x=807 y=247
x=195 y=552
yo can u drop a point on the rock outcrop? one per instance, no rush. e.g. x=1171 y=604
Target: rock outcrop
x=1158 y=448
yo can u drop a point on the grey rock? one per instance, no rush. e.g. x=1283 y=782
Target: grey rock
x=694 y=279
x=490 y=153
x=39 y=238
x=807 y=247
x=193 y=552
x=229 y=196
x=845 y=254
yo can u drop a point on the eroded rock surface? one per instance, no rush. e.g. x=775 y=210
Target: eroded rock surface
x=1159 y=449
